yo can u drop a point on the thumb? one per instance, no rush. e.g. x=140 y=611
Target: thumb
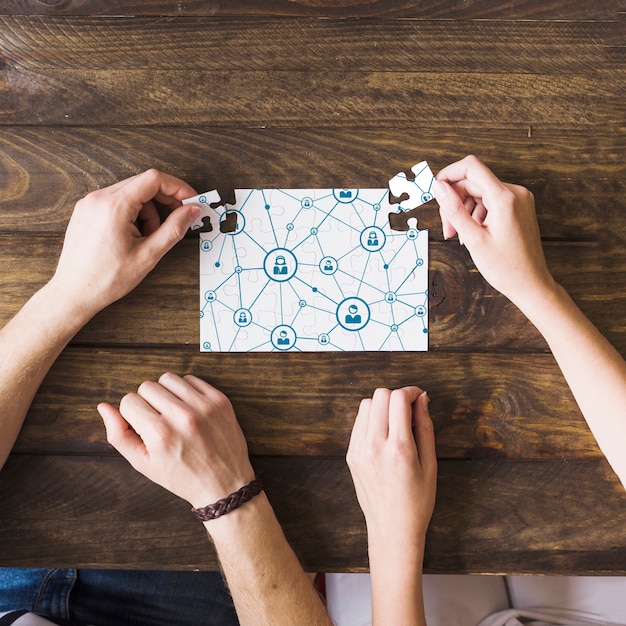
x=173 y=229
x=454 y=216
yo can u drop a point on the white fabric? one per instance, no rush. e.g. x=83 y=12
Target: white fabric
x=349 y=599
x=462 y=600
x=484 y=600
x=29 y=619
x=544 y=617
x=603 y=597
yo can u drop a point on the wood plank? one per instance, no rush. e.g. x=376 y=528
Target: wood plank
x=484 y=405
x=532 y=47
x=425 y=9
x=391 y=99
x=46 y=170
x=465 y=313
x=490 y=517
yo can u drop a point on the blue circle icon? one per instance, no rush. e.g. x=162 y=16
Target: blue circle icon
x=420 y=310
x=345 y=196
x=323 y=339
x=412 y=234
x=328 y=265
x=353 y=314
x=280 y=264
x=210 y=296
x=283 y=337
x=242 y=317
x=206 y=245
x=306 y=202
x=372 y=238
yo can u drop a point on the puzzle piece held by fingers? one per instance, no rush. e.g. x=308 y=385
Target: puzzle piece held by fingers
x=418 y=190
x=205 y=200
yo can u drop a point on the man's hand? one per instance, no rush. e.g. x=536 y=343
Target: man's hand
x=182 y=434
x=115 y=238
x=497 y=223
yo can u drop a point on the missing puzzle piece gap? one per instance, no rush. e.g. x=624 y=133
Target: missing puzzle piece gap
x=410 y=194
x=403 y=221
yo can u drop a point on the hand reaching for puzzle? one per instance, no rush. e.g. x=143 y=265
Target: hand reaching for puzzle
x=115 y=238
x=497 y=223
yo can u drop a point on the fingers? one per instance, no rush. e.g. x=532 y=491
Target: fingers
x=156 y=185
x=173 y=229
x=472 y=169
x=378 y=423
x=424 y=433
x=454 y=214
x=121 y=435
x=401 y=412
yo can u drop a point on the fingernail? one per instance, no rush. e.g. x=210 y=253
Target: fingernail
x=194 y=212
x=439 y=188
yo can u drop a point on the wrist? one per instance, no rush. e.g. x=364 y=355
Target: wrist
x=539 y=304
x=257 y=512
x=64 y=306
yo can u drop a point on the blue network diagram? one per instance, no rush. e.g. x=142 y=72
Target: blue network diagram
x=312 y=270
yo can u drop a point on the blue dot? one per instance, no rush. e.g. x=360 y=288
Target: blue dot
x=267 y=207
x=314 y=289
x=217 y=264
x=386 y=266
x=425 y=331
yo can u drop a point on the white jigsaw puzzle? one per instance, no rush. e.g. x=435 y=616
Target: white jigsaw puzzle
x=419 y=189
x=311 y=270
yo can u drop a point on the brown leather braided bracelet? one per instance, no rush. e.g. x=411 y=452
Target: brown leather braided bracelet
x=229 y=503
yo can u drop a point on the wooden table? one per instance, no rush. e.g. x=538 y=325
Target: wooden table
x=265 y=93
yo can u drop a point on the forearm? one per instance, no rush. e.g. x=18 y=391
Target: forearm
x=592 y=367
x=29 y=345
x=267 y=582
x=396 y=580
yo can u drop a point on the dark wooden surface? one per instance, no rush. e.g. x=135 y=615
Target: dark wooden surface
x=266 y=93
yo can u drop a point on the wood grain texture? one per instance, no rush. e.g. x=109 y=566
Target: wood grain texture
x=391 y=99
x=429 y=9
x=578 y=176
x=533 y=47
x=262 y=93
x=517 y=517
x=511 y=406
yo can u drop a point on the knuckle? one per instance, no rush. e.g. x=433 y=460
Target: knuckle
x=152 y=174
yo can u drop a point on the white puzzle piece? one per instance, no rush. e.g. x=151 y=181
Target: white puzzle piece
x=312 y=270
x=419 y=189
x=205 y=200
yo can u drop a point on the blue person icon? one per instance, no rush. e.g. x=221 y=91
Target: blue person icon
x=353 y=316
x=280 y=265
x=372 y=238
x=283 y=340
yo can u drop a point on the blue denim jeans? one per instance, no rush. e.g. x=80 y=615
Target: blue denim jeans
x=119 y=597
